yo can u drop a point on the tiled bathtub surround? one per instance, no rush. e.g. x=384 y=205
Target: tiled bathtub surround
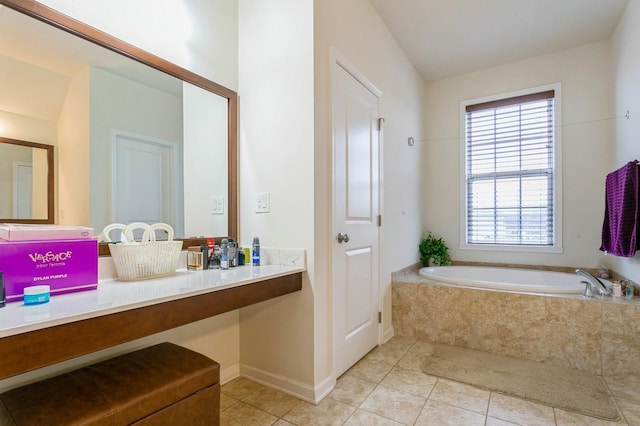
x=598 y=335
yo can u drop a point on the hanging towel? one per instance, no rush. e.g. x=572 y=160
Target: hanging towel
x=621 y=211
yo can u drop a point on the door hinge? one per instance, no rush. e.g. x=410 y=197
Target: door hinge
x=379 y=220
x=380 y=122
x=379 y=317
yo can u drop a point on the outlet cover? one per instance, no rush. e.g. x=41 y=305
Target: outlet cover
x=262 y=202
x=217 y=204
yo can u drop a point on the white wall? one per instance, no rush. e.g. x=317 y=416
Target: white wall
x=585 y=77
x=356 y=31
x=117 y=103
x=206 y=153
x=195 y=49
x=24 y=128
x=626 y=81
x=73 y=153
x=288 y=342
x=276 y=155
x=199 y=35
x=39 y=205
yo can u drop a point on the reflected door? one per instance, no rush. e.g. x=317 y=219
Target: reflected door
x=22 y=193
x=144 y=188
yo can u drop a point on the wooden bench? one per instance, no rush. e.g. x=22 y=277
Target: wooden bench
x=164 y=384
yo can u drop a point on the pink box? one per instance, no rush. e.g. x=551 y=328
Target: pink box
x=65 y=265
x=26 y=232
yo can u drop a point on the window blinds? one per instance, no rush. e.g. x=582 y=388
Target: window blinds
x=509 y=171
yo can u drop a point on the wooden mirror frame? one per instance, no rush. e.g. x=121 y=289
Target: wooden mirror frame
x=50 y=181
x=79 y=29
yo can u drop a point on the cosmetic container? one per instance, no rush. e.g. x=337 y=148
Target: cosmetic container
x=255 y=252
x=214 y=262
x=224 y=254
x=211 y=244
x=205 y=256
x=240 y=256
x=629 y=291
x=617 y=289
x=232 y=255
x=194 y=258
x=36 y=294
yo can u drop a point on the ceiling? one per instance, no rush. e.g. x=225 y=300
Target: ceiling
x=444 y=38
x=32 y=51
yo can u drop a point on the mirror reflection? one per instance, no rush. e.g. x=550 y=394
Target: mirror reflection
x=133 y=144
x=25 y=180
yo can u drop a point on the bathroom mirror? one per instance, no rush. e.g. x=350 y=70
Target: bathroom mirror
x=26 y=182
x=137 y=138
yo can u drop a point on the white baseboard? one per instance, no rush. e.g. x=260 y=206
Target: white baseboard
x=229 y=373
x=324 y=388
x=387 y=335
x=289 y=386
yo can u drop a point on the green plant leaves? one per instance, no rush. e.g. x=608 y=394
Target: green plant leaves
x=433 y=250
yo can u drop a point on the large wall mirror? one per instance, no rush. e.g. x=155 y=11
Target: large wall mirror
x=136 y=137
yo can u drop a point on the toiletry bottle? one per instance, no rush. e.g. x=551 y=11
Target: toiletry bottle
x=194 y=258
x=629 y=291
x=617 y=288
x=233 y=258
x=215 y=258
x=224 y=254
x=255 y=252
x=210 y=247
x=205 y=256
x=240 y=256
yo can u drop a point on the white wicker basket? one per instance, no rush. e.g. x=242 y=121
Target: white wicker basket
x=149 y=258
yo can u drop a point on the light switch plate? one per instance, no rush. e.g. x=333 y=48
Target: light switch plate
x=262 y=202
x=217 y=204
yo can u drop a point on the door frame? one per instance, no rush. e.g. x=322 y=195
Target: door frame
x=176 y=157
x=340 y=60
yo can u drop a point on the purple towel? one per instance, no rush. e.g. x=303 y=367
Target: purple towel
x=621 y=211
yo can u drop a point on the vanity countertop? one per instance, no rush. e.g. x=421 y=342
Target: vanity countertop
x=113 y=296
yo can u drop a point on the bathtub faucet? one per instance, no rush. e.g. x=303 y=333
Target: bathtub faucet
x=599 y=286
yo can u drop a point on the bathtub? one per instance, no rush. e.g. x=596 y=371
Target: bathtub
x=509 y=279
x=596 y=334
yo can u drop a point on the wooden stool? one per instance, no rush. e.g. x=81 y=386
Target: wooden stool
x=164 y=384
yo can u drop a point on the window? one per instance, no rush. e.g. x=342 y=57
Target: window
x=509 y=172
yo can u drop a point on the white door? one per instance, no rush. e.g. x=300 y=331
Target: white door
x=356 y=145
x=22 y=190
x=144 y=190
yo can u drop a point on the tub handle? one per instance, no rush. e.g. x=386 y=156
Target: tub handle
x=587 y=289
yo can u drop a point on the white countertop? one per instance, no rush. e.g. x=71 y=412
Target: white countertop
x=116 y=296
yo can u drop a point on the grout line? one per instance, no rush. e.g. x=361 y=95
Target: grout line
x=396 y=364
x=615 y=402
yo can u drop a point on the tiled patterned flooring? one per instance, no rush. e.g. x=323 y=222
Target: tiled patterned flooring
x=387 y=388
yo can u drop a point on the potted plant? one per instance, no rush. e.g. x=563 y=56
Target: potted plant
x=433 y=251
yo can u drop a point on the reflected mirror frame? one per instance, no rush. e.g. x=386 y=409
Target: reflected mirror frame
x=77 y=28
x=50 y=182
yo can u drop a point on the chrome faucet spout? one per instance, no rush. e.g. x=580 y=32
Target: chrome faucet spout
x=599 y=286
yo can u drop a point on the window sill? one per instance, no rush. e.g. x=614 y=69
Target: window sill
x=512 y=248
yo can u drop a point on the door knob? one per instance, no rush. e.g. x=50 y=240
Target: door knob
x=343 y=238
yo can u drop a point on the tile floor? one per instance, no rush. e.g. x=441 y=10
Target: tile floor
x=387 y=387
